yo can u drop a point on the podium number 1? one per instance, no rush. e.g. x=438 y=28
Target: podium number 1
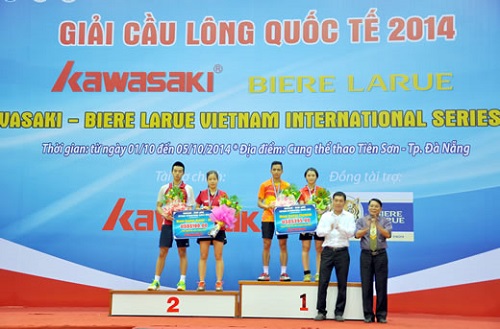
x=174 y=303
x=304 y=302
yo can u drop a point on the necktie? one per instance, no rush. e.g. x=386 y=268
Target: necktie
x=373 y=237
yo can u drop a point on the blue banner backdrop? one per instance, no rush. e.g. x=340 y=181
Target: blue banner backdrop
x=99 y=98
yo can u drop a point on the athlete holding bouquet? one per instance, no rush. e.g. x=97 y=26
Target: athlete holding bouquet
x=320 y=197
x=210 y=199
x=172 y=197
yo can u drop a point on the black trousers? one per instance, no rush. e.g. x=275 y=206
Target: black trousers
x=374 y=266
x=339 y=259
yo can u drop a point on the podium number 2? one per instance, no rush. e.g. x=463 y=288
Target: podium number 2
x=174 y=303
x=304 y=302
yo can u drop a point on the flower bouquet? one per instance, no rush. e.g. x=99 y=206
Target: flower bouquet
x=174 y=201
x=270 y=200
x=322 y=201
x=288 y=197
x=225 y=214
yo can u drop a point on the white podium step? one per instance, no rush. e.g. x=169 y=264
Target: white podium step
x=255 y=299
x=274 y=299
x=174 y=303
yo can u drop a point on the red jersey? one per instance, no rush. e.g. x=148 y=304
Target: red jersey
x=306 y=193
x=205 y=199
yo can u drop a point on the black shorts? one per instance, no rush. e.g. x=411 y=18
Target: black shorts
x=268 y=229
x=310 y=236
x=167 y=238
x=221 y=236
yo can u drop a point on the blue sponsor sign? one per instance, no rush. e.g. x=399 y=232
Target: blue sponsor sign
x=192 y=224
x=295 y=219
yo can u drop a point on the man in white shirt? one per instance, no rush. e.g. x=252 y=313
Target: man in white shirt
x=166 y=235
x=337 y=227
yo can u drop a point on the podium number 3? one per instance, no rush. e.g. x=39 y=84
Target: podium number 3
x=304 y=302
x=174 y=303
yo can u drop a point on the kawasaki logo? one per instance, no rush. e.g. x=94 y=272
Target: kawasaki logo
x=133 y=81
x=149 y=220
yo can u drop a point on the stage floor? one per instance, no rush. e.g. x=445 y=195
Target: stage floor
x=96 y=318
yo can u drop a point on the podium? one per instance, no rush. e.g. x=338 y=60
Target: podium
x=174 y=303
x=272 y=299
x=255 y=299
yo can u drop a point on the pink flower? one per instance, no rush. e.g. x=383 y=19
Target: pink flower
x=224 y=214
